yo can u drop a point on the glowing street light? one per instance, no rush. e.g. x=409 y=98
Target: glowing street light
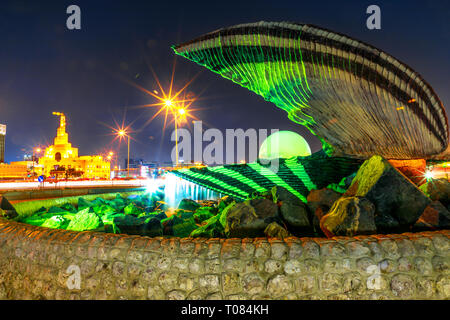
x=123 y=133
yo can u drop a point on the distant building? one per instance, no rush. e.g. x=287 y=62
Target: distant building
x=2 y=142
x=62 y=159
x=13 y=171
x=141 y=167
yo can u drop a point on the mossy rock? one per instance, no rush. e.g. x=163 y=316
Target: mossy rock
x=56 y=222
x=85 y=220
x=132 y=209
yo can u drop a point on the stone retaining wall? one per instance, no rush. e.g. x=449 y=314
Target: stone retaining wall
x=40 y=263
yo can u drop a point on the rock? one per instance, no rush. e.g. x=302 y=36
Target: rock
x=276 y=231
x=319 y=203
x=103 y=209
x=139 y=226
x=85 y=220
x=283 y=195
x=188 y=204
x=208 y=203
x=69 y=207
x=296 y=216
x=322 y=198
x=346 y=182
x=316 y=217
x=56 y=222
x=212 y=228
x=224 y=202
x=152 y=228
x=434 y=216
x=389 y=190
x=250 y=218
x=132 y=209
x=203 y=214
x=437 y=190
x=386 y=223
x=349 y=216
x=184 y=228
x=8 y=214
x=264 y=208
x=83 y=203
x=169 y=223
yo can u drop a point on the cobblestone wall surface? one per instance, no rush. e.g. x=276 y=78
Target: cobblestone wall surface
x=40 y=263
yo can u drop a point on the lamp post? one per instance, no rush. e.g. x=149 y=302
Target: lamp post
x=123 y=133
x=176 y=112
x=35 y=150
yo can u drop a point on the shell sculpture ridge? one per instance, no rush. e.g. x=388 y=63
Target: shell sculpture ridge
x=357 y=99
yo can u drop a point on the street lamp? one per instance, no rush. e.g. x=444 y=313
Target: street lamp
x=35 y=150
x=123 y=133
x=179 y=112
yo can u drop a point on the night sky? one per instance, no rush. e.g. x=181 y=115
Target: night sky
x=85 y=73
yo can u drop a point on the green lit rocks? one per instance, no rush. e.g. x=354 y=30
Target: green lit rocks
x=144 y=226
x=356 y=98
x=56 y=222
x=390 y=191
x=188 y=204
x=349 y=216
x=85 y=220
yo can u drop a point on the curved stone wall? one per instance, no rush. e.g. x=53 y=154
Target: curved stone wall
x=40 y=263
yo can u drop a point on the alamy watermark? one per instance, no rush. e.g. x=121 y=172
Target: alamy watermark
x=74 y=280
x=374 y=20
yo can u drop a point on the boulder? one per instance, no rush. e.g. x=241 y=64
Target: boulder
x=132 y=209
x=85 y=220
x=389 y=190
x=211 y=228
x=346 y=182
x=8 y=214
x=281 y=194
x=188 y=204
x=169 y=223
x=296 y=216
x=203 y=214
x=250 y=218
x=435 y=216
x=323 y=198
x=184 y=228
x=224 y=202
x=437 y=190
x=319 y=203
x=129 y=224
x=316 y=217
x=83 y=203
x=349 y=216
x=276 y=231
x=387 y=224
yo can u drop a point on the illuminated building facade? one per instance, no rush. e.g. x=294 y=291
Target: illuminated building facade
x=2 y=142
x=61 y=156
